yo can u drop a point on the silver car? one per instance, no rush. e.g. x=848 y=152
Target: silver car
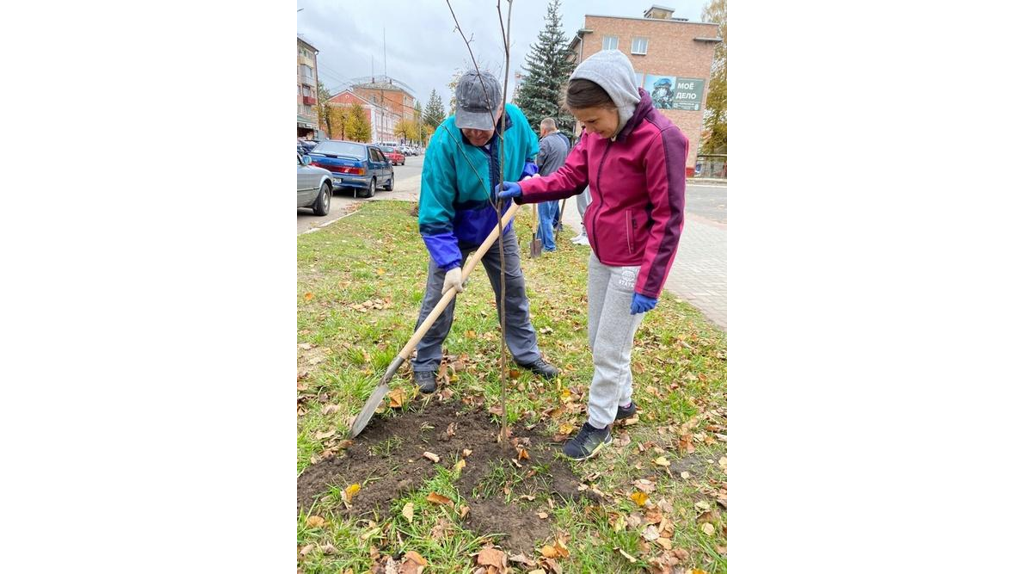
x=314 y=186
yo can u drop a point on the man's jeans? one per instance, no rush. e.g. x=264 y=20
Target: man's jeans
x=548 y=211
x=519 y=333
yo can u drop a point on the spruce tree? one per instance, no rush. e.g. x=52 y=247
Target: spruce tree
x=434 y=114
x=548 y=67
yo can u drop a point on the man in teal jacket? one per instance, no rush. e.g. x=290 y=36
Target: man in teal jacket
x=461 y=167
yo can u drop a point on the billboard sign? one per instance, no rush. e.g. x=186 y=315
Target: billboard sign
x=673 y=93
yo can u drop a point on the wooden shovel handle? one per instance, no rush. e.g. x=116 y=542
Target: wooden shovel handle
x=450 y=294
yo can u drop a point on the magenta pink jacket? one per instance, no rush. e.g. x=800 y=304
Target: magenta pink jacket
x=638 y=185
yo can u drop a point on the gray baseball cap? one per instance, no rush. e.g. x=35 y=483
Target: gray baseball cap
x=472 y=95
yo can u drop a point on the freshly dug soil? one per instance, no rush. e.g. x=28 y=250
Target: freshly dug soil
x=387 y=460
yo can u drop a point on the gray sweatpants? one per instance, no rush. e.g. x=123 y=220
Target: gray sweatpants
x=519 y=333
x=611 y=329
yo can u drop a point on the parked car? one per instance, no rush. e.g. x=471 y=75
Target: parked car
x=313 y=186
x=407 y=150
x=307 y=145
x=392 y=153
x=357 y=166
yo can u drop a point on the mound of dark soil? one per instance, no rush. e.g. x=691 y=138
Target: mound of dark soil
x=504 y=491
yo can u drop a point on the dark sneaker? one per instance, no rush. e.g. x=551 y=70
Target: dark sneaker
x=542 y=368
x=626 y=412
x=426 y=380
x=587 y=442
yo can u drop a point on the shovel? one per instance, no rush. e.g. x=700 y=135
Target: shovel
x=535 y=246
x=382 y=389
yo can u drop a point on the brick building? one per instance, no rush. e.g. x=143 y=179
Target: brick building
x=306 y=80
x=382 y=121
x=672 y=59
x=393 y=103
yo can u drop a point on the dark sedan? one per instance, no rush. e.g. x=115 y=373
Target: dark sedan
x=358 y=166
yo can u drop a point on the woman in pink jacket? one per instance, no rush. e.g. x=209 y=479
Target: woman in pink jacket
x=634 y=160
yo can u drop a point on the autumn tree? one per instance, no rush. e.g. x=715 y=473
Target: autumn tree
x=715 y=116
x=406 y=129
x=357 y=126
x=338 y=126
x=323 y=111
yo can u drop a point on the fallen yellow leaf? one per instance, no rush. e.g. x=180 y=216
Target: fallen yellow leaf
x=308 y=296
x=639 y=498
x=549 y=551
x=708 y=528
x=662 y=461
x=315 y=521
x=407 y=511
x=627 y=556
x=351 y=491
x=460 y=465
x=565 y=428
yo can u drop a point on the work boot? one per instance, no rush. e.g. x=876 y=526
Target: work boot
x=542 y=368
x=626 y=411
x=426 y=380
x=586 y=444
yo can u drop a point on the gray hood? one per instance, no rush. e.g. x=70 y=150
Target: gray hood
x=612 y=70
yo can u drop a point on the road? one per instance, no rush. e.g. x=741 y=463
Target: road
x=407 y=186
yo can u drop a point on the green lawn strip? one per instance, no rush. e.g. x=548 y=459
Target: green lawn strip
x=360 y=283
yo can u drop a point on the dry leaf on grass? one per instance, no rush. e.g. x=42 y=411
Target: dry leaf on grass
x=407 y=511
x=491 y=557
x=431 y=456
x=416 y=557
x=708 y=528
x=439 y=499
x=650 y=533
x=315 y=521
x=627 y=556
x=644 y=485
x=397 y=398
x=662 y=461
x=459 y=465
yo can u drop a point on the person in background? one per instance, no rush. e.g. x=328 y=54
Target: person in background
x=462 y=164
x=633 y=158
x=554 y=146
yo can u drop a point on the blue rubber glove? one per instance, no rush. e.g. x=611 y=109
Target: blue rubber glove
x=641 y=304
x=529 y=169
x=508 y=189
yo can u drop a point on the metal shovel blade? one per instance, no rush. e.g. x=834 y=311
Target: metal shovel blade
x=367 y=413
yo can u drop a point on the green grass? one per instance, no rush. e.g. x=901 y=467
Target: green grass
x=365 y=276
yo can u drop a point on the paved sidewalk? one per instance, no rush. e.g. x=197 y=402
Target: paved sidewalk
x=698 y=274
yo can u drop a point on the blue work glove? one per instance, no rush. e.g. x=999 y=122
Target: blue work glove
x=529 y=169
x=508 y=189
x=641 y=304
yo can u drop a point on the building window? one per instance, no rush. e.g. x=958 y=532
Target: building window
x=639 y=46
x=610 y=43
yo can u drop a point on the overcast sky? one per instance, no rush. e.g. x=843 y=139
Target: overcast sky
x=423 y=48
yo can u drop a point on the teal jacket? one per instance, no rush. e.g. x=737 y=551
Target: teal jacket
x=455 y=209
